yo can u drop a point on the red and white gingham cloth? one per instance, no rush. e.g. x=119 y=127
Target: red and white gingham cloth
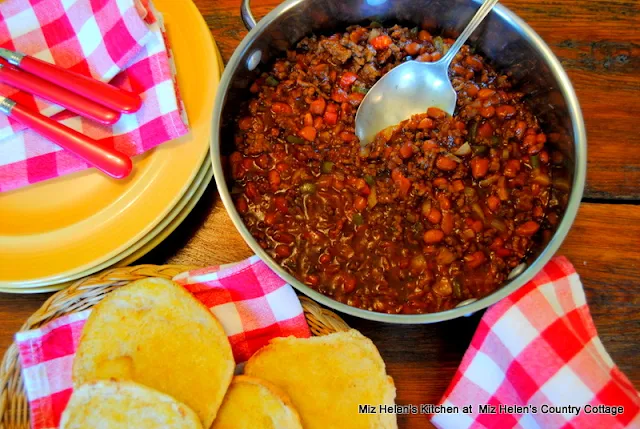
x=539 y=347
x=252 y=303
x=536 y=347
x=108 y=40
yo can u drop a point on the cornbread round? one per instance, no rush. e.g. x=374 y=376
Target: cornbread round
x=327 y=378
x=109 y=404
x=157 y=334
x=253 y=403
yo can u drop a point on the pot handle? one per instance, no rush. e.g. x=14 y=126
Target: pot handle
x=247 y=15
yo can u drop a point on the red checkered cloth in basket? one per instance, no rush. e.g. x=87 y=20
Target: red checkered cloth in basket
x=108 y=40
x=539 y=347
x=253 y=304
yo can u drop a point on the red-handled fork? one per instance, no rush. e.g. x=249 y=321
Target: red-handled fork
x=57 y=95
x=94 y=90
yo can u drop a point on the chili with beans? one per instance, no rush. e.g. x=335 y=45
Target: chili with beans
x=434 y=211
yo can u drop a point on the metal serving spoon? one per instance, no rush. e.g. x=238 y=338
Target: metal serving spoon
x=413 y=87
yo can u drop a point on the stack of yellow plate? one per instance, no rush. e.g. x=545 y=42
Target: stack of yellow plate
x=64 y=229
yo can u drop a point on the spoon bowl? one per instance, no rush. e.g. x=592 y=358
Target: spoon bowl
x=412 y=88
x=406 y=90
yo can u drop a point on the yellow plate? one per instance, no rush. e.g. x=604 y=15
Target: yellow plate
x=59 y=229
x=151 y=240
x=161 y=232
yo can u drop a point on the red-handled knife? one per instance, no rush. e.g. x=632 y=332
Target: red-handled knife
x=58 y=95
x=94 y=90
x=107 y=160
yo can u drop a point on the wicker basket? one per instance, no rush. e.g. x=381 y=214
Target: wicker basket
x=84 y=294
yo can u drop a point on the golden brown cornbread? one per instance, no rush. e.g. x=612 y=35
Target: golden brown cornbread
x=157 y=334
x=111 y=404
x=253 y=403
x=327 y=378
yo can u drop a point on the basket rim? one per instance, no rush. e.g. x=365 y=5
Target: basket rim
x=87 y=292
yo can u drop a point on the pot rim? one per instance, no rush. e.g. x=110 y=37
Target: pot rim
x=577 y=189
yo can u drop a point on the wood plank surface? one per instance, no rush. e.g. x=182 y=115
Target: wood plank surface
x=597 y=41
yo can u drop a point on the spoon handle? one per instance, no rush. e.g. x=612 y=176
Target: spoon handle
x=468 y=31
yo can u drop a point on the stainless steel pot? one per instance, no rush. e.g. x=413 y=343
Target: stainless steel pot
x=505 y=39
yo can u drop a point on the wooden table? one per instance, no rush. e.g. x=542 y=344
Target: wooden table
x=598 y=42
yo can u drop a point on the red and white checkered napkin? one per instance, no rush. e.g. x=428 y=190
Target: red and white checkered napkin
x=539 y=347
x=253 y=304
x=108 y=40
